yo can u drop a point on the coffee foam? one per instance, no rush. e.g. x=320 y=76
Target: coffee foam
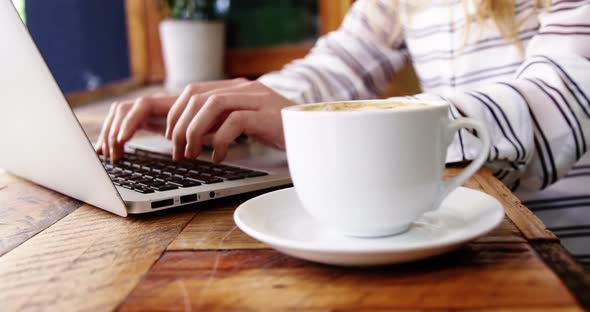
x=359 y=106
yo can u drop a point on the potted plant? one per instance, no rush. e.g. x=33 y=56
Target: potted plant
x=193 y=41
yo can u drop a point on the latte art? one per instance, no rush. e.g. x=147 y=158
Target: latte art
x=360 y=106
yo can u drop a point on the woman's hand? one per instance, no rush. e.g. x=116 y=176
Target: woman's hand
x=125 y=118
x=214 y=113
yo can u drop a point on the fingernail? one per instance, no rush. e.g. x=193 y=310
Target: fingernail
x=187 y=152
x=213 y=156
x=120 y=137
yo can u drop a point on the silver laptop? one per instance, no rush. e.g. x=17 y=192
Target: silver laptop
x=42 y=141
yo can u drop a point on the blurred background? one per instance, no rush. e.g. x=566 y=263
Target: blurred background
x=97 y=48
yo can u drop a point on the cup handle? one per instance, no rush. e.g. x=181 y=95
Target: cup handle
x=447 y=187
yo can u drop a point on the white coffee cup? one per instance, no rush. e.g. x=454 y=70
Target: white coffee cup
x=372 y=172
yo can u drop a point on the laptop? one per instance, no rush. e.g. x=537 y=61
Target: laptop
x=42 y=141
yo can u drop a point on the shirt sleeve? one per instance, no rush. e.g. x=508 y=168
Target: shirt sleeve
x=539 y=120
x=357 y=61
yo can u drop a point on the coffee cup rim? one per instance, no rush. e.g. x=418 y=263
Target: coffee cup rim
x=430 y=104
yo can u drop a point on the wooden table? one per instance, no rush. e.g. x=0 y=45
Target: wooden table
x=59 y=254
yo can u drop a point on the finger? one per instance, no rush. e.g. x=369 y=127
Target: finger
x=215 y=106
x=196 y=101
x=235 y=124
x=120 y=113
x=188 y=92
x=179 y=136
x=141 y=110
x=179 y=133
x=104 y=132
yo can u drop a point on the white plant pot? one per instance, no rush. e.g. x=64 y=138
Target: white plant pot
x=193 y=51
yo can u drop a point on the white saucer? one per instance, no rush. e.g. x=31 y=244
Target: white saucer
x=279 y=220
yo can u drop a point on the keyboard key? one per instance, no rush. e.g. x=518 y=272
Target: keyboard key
x=188 y=183
x=144 y=181
x=129 y=156
x=204 y=179
x=166 y=187
x=254 y=174
x=156 y=183
x=124 y=167
x=143 y=190
x=185 y=183
x=243 y=171
x=158 y=166
x=177 y=182
x=203 y=168
x=231 y=177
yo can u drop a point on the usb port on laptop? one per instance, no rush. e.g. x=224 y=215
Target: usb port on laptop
x=188 y=198
x=162 y=203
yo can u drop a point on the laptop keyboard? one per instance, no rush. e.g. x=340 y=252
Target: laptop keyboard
x=145 y=172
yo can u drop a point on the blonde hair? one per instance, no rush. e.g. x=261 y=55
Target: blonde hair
x=503 y=15
x=501 y=12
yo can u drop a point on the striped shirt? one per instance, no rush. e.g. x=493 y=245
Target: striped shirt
x=535 y=100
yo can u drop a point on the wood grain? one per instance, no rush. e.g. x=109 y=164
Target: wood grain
x=573 y=275
x=27 y=209
x=506 y=232
x=531 y=227
x=89 y=260
x=477 y=276
x=214 y=229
